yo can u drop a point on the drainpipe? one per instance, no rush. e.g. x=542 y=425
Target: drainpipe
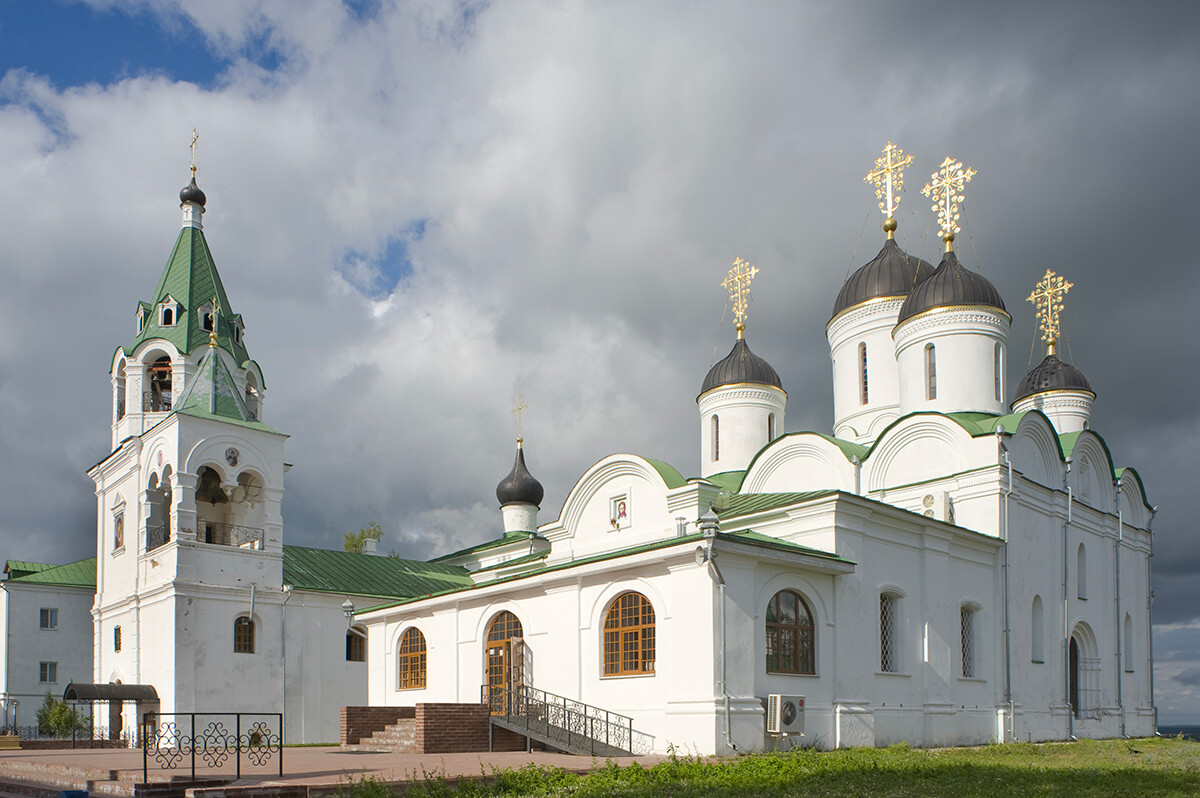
x=710 y=526
x=1008 y=692
x=1066 y=598
x=1118 y=630
x=4 y=697
x=1149 y=625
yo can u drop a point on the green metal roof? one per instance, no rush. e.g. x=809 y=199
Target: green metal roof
x=18 y=568
x=534 y=557
x=668 y=473
x=508 y=537
x=326 y=571
x=730 y=481
x=747 y=504
x=73 y=574
x=190 y=278
x=213 y=393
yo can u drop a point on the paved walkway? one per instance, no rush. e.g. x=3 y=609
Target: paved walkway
x=311 y=766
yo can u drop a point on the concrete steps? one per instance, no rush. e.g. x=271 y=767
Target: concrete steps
x=400 y=737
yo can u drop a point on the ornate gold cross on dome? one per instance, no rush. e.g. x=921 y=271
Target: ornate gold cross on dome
x=945 y=189
x=1047 y=298
x=519 y=411
x=738 y=285
x=195 y=138
x=888 y=177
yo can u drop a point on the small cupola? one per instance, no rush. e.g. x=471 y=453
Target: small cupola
x=520 y=495
x=741 y=401
x=1054 y=386
x=951 y=334
x=191 y=198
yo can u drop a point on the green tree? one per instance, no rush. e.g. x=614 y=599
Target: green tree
x=354 y=540
x=55 y=717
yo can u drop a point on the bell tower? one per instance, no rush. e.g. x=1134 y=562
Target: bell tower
x=189 y=531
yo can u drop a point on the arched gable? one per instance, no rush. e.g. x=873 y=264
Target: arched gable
x=1092 y=472
x=588 y=508
x=1034 y=450
x=1135 y=507
x=799 y=462
x=917 y=448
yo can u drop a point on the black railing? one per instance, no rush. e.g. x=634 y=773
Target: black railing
x=246 y=537
x=171 y=737
x=83 y=736
x=155 y=402
x=577 y=726
x=157 y=536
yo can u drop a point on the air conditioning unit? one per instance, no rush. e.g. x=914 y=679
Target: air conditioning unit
x=938 y=505
x=785 y=714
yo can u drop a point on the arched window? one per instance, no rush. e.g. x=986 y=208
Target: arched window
x=862 y=372
x=158 y=398
x=889 y=632
x=1036 y=631
x=168 y=317
x=629 y=636
x=967 y=624
x=770 y=427
x=1128 y=647
x=356 y=644
x=997 y=370
x=243 y=636
x=790 y=643
x=1081 y=572
x=716 y=436
x=930 y=372
x=411 y=661
x=120 y=389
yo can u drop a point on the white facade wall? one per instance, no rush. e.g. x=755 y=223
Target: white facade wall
x=870 y=324
x=26 y=645
x=748 y=415
x=964 y=341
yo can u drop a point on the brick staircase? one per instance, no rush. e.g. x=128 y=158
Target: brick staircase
x=399 y=737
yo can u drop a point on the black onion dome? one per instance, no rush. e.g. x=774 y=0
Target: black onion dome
x=740 y=365
x=519 y=487
x=192 y=193
x=950 y=285
x=1052 y=374
x=893 y=273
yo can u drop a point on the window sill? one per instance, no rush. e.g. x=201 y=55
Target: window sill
x=792 y=673
x=627 y=675
x=1129 y=671
x=406 y=689
x=1038 y=661
x=119 y=551
x=978 y=679
x=892 y=673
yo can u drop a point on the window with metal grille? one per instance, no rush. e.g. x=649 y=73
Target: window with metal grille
x=790 y=647
x=243 y=636
x=862 y=374
x=968 y=642
x=116 y=638
x=629 y=636
x=411 y=661
x=356 y=645
x=47 y=672
x=48 y=618
x=889 y=659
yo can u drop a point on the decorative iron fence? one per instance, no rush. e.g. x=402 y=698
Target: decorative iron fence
x=84 y=736
x=171 y=738
x=157 y=536
x=246 y=537
x=576 y=725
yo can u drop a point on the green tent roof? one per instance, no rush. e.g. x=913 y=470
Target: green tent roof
x=190 y=278
x=213 y=393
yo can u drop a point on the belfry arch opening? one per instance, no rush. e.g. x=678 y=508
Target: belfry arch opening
x=158 y=385
x=158 y=518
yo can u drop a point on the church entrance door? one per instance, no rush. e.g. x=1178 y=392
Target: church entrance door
x=504 y=660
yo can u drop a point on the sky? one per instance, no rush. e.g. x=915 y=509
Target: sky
x=423 y=210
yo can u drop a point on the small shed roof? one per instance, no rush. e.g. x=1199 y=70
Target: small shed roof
x=110 y=692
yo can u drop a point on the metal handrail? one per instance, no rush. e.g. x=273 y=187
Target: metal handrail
x=556 y=717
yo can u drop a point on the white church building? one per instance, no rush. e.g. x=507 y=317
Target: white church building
x=953 y=562
x=949 y=566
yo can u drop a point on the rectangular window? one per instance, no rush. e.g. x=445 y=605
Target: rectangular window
x=48 y=672
x=116 y=638
x=49 y=618
x=356 y=646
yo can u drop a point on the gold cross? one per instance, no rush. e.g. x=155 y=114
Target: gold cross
x=1047 y=298
x=212 y=334
x=519 y=411
x=195 y=138
x=945 y=190
x=888 y=177
x=738 y=285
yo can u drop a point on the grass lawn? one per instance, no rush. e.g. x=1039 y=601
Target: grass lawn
x=1151 y=767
